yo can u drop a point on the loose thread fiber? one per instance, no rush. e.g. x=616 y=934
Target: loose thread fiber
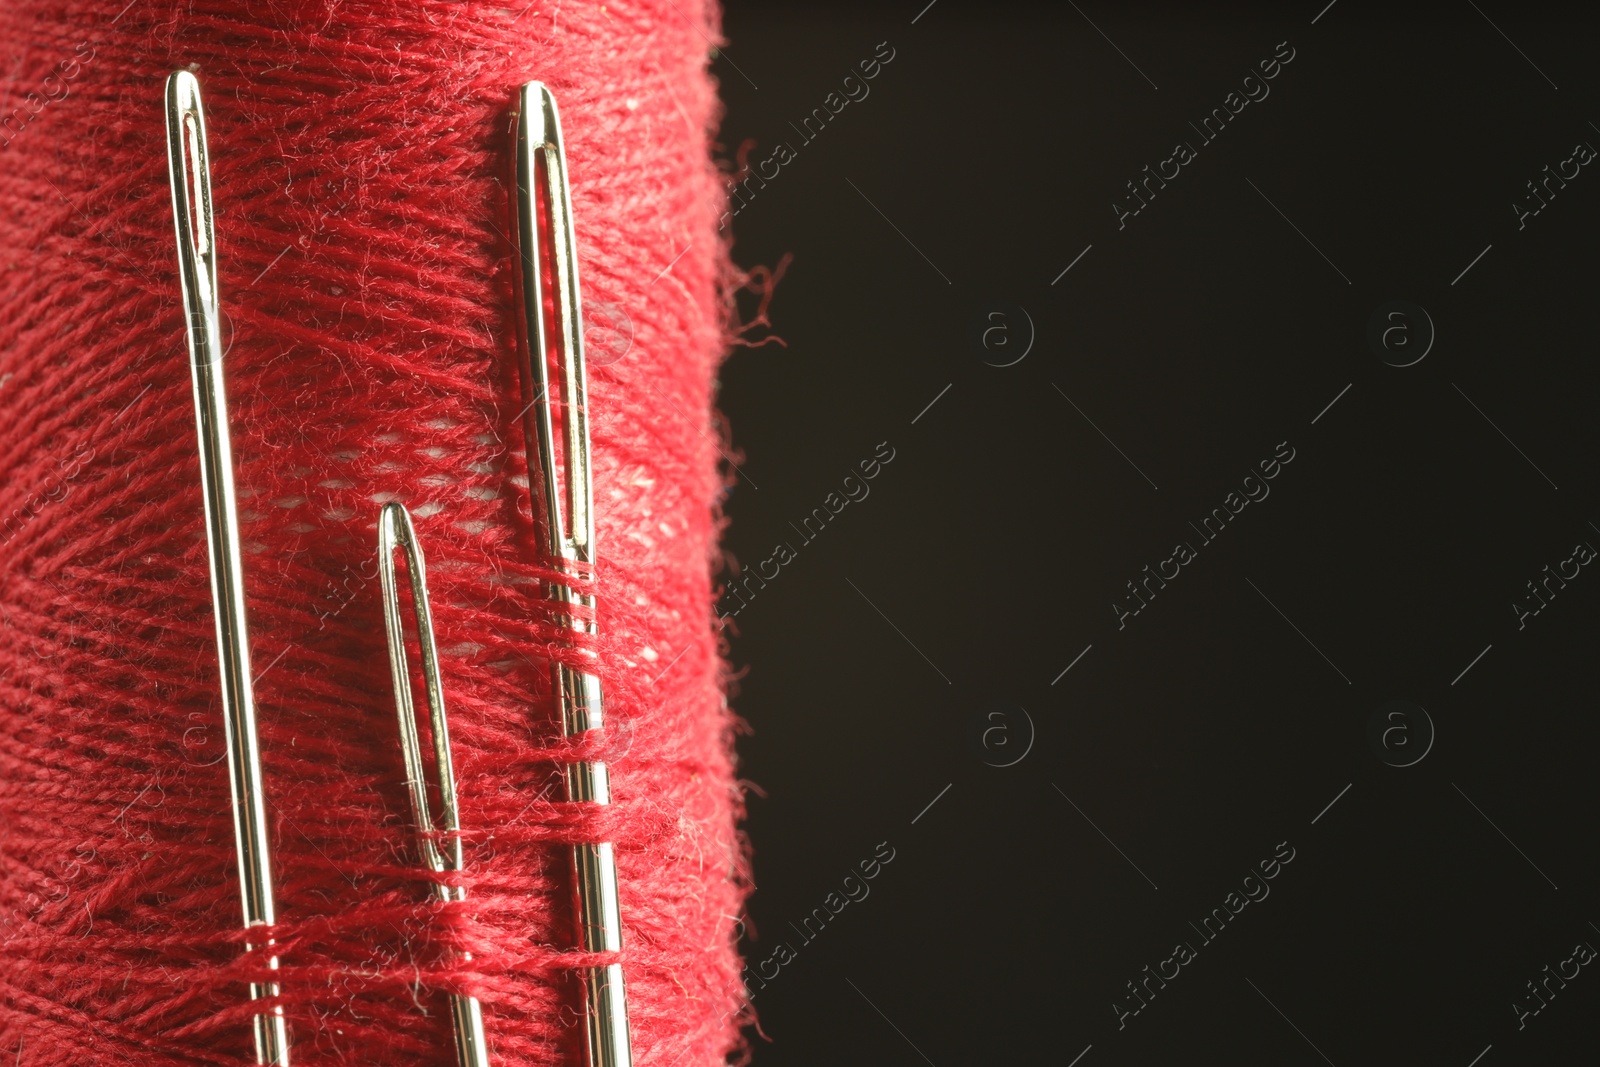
x=359 y=157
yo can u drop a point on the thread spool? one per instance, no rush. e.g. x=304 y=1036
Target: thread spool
x=358 y=163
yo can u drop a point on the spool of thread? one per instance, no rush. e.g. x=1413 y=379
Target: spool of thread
x=359 y=158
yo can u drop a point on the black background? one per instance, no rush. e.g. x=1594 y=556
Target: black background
x=1228 y=714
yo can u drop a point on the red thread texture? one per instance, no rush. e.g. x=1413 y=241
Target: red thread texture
x=359 y=162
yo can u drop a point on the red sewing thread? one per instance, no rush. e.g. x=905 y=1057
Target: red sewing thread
x=359 y=154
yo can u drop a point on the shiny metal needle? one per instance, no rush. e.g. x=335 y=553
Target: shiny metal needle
x=543 y=233
x=395 y=531
x=189 y=171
